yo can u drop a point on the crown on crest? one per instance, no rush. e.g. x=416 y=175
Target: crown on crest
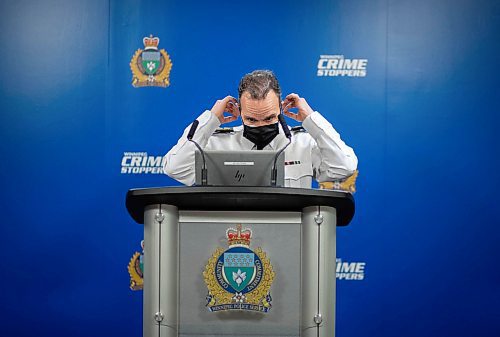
x=238 y=236
x=151 y=42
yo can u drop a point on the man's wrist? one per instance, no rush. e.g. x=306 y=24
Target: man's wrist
x=312 y=123
x=216 y=116
x=214 y=121
x=307 y=120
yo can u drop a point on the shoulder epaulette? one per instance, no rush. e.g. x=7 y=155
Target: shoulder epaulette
x=223 y=130
x=298 y=128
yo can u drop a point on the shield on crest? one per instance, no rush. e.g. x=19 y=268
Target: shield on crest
x=151 y=61
x=239 y=267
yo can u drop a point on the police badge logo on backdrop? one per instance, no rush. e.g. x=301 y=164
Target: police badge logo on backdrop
x=239 y=278
x=151 y=67
x=136 y=269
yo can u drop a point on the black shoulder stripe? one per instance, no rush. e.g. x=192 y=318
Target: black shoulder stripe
x=223 y=130
x=298 y=129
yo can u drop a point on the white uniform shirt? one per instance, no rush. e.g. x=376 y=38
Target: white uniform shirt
x=318 y=153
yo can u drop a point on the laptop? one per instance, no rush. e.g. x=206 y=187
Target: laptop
x=240 y=168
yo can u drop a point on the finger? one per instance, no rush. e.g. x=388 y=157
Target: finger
x=291 y=100
x=228 y=119
x=236 y=109
x=232 y=108
x=288 y=108
x=287 y=105
x=292 y=97
x=232 y=104
x=233 y=113
x=291 y=115
x=229 y=99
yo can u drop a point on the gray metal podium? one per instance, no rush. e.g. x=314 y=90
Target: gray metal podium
x=296 y=228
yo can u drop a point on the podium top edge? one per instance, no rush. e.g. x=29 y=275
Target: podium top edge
x=239 y=198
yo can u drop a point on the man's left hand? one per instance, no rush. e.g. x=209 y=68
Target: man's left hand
x=295 y=101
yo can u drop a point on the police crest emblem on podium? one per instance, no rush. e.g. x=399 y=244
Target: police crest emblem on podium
x=239 y=278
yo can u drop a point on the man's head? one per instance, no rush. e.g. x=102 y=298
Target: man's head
x=259 y=94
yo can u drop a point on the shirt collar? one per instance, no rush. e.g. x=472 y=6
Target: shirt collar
x=278 y=142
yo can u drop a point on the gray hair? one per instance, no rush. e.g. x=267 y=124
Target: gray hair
x=258 y=83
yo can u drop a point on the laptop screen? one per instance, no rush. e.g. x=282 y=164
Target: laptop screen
x=240 y=168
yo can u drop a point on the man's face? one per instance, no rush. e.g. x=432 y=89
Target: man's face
x=259 y=112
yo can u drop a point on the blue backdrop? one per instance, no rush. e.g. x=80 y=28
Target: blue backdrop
x=423 y=123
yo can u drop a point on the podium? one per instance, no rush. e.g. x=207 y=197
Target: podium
x=288 y=236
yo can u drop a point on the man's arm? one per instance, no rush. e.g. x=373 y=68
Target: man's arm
x=332 y=159
x=179 y=163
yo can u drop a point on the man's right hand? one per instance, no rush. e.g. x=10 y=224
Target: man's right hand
x=228 y=104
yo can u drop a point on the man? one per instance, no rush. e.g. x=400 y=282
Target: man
x=316 y=150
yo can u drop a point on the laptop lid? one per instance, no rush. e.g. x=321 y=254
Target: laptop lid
x=240 y=168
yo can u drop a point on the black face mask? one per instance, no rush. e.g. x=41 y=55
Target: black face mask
x=260 y=135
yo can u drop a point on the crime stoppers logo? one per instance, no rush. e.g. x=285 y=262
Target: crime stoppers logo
x=351 y=271
x=142 y=163
x=338 y=65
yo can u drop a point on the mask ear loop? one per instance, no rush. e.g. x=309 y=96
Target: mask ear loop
x=281 y=106
x=282 y=109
